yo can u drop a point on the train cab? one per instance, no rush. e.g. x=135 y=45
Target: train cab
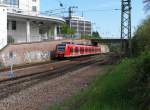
x=60 y=50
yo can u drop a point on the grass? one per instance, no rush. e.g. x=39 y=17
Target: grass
x=112 y=91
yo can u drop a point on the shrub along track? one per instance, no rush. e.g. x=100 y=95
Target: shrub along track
x=9 y=87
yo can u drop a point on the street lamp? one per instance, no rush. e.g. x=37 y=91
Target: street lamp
x=60 y=3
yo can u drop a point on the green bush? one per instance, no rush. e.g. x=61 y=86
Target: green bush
x=89 y=37
x=141 y=39
x=141 y=85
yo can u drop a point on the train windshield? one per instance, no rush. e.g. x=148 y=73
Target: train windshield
x=61 y=48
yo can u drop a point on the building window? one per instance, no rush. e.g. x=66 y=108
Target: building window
x=11 y=2
x=34 y=8
x=13 y=25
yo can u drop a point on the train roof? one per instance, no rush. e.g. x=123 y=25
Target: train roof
x=72 y=43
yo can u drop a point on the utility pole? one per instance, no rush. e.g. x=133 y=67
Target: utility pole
x=70 y=16
x=126 y=25
x=70 y=11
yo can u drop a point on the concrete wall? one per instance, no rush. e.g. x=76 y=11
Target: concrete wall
x=19 y=54
x=104 y=48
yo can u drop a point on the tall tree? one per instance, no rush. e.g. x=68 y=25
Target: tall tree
x=96 y=35
x=141 y=38
x=66 y=30
x=147 y=5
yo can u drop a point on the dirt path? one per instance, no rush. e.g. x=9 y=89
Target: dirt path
x=40 y=96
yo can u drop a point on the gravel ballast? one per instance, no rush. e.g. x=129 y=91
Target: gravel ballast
x=44 y=94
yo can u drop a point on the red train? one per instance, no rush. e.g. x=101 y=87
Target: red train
x=75 y=50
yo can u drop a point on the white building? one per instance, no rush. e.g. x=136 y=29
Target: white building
x=80 y=25
x=29 y=7
x=27 y=28
x=3 y=27
x=25 y=24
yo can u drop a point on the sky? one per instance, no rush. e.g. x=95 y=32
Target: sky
x=101 y=13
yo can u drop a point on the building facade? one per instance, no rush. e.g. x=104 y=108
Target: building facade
x=80 y=25
x=26 y=24
x=3 y=27
x=29 y=7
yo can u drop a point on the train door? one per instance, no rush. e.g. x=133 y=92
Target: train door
x=76 y=51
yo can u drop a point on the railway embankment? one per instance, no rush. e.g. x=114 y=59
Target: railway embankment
x=125 y=87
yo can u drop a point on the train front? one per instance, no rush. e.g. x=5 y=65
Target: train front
x=60 y=51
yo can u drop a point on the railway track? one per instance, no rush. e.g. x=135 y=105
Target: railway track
x=37 y=68
x=15 y=85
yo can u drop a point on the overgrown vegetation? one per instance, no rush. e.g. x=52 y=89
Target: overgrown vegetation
x=95 y=35
x=141 y=39
x=147 y=5
x=125 y=87
x=114 y=47
x=141 y=82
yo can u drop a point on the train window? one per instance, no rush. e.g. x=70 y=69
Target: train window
x=97 y=49
x=76 y=49
x=82 y=50
x=86 y=49
x=89 y=49
x=71 y=50
x=61 y=48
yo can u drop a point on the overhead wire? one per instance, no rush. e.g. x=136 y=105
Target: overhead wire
x=58 y=10
x=89 y=10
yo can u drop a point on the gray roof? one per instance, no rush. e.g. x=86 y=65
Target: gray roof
x=39 y=17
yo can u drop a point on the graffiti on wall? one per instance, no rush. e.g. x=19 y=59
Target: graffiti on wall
x=10 y=58
x=36 y=56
